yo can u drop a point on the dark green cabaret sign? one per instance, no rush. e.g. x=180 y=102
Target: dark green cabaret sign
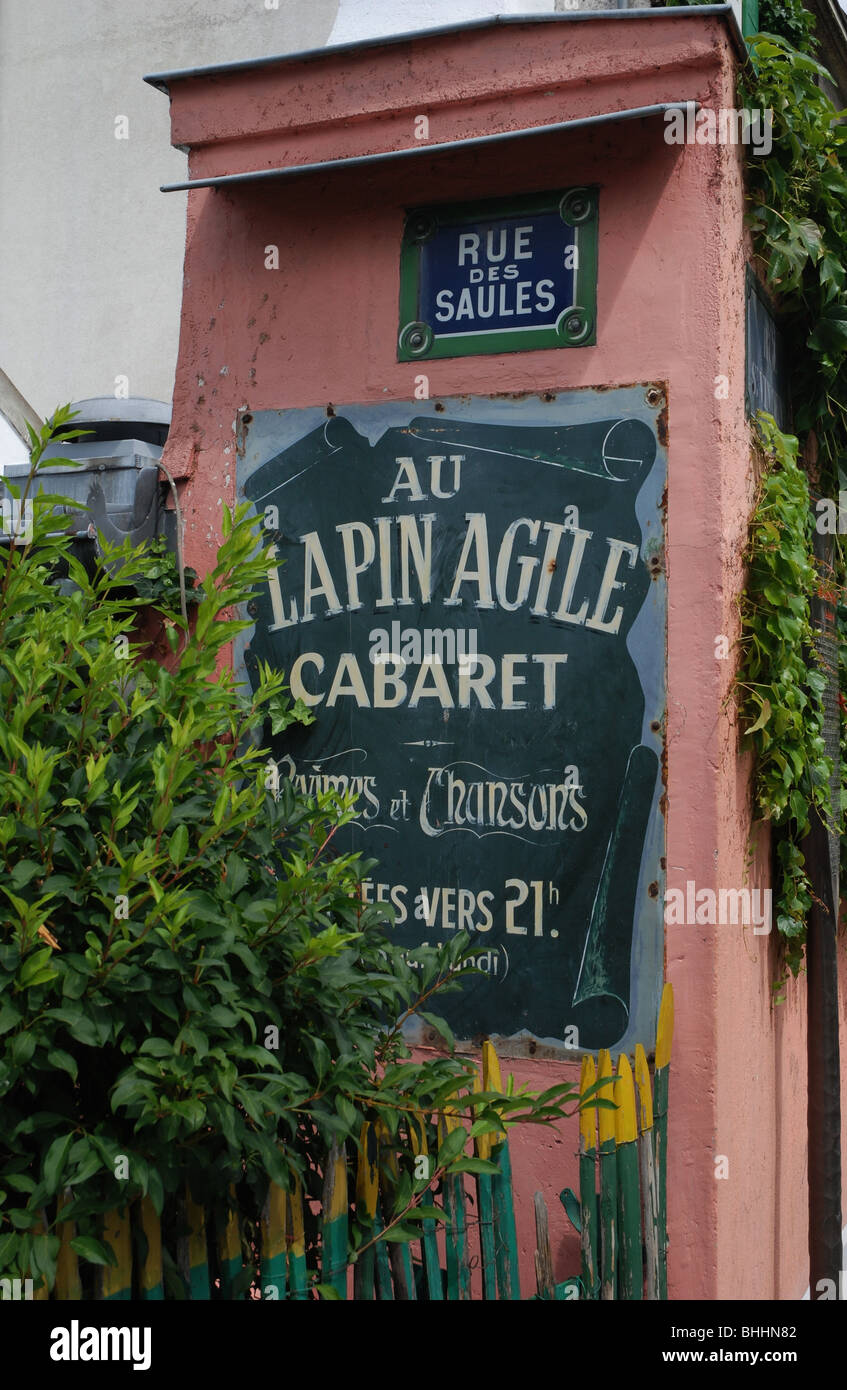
x=470 y=596
x=499 y=276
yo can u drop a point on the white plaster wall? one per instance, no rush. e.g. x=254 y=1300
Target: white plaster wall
x=90 y=251
x=365 y=19
x=361 y=19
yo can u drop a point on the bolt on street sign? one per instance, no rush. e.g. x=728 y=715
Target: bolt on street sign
x=505 y=275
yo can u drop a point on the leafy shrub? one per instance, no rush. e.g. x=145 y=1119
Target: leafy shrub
x=191 y=989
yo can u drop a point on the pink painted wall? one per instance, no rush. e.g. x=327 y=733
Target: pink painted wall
x=672 y=252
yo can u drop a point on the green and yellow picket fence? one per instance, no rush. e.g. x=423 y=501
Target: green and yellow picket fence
x=232 y=1251
x=621 y=1211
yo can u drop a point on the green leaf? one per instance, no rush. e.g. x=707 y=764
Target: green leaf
x=23 y=1220
x=94 y=1251
x=347 y=1113
x=762 y=719
x=37 y=969
x=8 y=1246
x=54 y=1163
x=451 y=1148
x=88 y=1163
x=400 y=1234
x=24 y=871
x=473 y=1165
x=178 y=844
x=10 y=1016
x=45 y=1249
x=830 y=333
x=21 y=1182
x=440 y=1026
x=570 y=1202
x=237 y=873
x=426 y=1213
x=21 y=1048
x=320 y=1054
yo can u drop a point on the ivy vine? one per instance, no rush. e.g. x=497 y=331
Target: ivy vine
x=780 y=691
x=790 y=20
x=798 y=215
x=797 y=212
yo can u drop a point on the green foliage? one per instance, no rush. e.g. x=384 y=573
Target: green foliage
x=779 y=685
x=189 y=979
x=158 y=584
x=784 y=19
x=790 y=20
x=798 y=217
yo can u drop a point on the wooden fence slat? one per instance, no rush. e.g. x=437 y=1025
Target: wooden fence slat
x=485 y=1211
x=631 y=1270
x=647 y=1168
x=505 y=1234
x=334 y=1220
x=544 y=1280
x=384 y=1286
x=229 y=1249
x=367 y=1192
x=456 y=1225
x=429 y=1234
x=68 y=1283
x=192 y=1254
x=399 y=1255
x=274 y=1254
x=664 y=1040
x=115 y=1281
x=589 y=1219
x=296 y=1241
x=608 y=1182
x=150 y=1273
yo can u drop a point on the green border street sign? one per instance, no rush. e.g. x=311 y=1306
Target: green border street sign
x=491 y=263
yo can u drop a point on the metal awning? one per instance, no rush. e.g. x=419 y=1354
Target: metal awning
x=473 y=142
